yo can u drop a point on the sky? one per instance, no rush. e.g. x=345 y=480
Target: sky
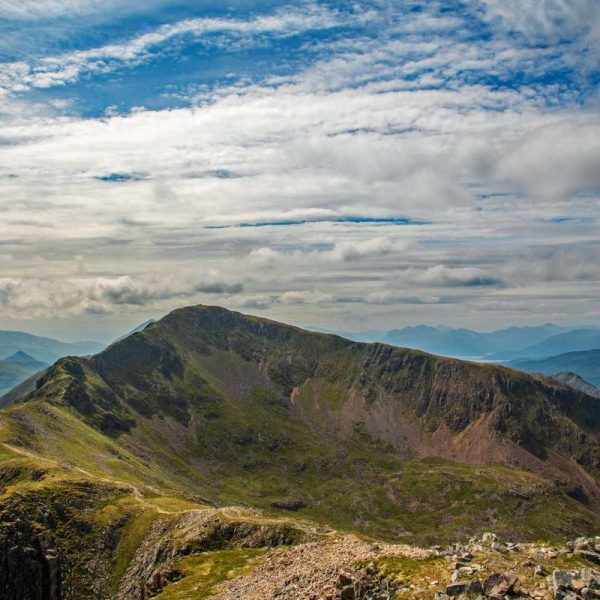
x=348 y=165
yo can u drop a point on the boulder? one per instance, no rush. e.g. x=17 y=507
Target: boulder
x=499 y=584
x=589 y=555
x=561 y=580
x=347 y=593
x=456 y=589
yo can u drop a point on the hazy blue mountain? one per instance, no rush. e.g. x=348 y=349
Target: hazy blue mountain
x=438 y=340
x=137 y=329
x=520 y=337
x=562 y=343
x=355 y=336
x=586 y=364
x=467 y=343
x=16 y=369
x=22 y=389
x=22 y=359
x=44 y=349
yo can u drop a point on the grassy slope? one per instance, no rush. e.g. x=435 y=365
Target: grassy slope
x=420 y=579
x=184 y=414
x=213 y=423
x=98 y=524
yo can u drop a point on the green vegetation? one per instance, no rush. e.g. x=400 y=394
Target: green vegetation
x=202 y=574
x=131 y=537
x=210 y=408
x=419 y=579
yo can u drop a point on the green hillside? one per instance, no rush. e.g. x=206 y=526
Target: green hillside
x=209 y=408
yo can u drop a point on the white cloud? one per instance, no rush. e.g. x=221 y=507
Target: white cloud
x=338 y=252
x=304 y=297
x=100 y=295
x=556 y=161
x=347 y=251
x=36 y=9
x=442 y=276
x=548 y=21
x=376 y=128
x=59 y=70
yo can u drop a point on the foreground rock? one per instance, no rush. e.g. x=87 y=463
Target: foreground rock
x=327 y=570
x=346 y=568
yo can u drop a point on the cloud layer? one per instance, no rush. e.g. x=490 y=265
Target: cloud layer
x=391 y=166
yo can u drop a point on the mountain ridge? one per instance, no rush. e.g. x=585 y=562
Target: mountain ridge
x=575 y=381
x=505 y=344
x=113 y=456
x=446 y=396
x=586 y=363
x=41 y=348
x=17 y=368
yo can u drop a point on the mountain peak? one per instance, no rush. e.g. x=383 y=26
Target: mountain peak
x=213 y=406
x=21 y=358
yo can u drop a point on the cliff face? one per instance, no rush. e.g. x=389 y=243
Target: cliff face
x=210 y=407
x=417 y=403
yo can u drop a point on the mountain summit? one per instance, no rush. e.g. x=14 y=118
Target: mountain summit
x=214 y=407
x=23 y=359
x=17 y=368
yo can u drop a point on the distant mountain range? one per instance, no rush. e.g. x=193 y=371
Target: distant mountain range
x=102 y=462
x=17 y=368
x=137 y=329
x=43 y=349
x=561 y=343
x=586 y=364
x=465 y=343
x=502 y=345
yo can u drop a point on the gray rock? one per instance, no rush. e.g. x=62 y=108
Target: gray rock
x=561 y=580
x=347 y=593
x=456 y=589
x=566 y=595
x=589 y=555
x=499 y=584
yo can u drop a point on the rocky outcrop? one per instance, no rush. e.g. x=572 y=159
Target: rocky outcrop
x=575 y=584
x=29 y=570
x=153 y=566
x=579 y=383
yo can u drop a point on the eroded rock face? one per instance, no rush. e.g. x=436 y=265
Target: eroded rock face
x=29 y=567
x=152 y=567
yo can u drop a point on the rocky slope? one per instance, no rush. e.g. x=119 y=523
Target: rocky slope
x=575 y=381
x=114 y=464
x=484 y=567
